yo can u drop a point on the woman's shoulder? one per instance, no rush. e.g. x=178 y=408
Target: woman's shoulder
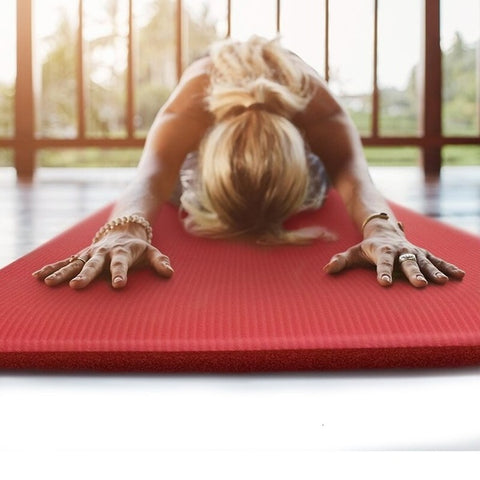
x=197 y=69
x=190 y=93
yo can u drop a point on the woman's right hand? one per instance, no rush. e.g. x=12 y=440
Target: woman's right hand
x=118 y=251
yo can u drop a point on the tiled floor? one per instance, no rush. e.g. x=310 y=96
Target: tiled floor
x=35 y=212
x=32 y=213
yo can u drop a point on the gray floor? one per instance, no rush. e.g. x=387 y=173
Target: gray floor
x=32 y=213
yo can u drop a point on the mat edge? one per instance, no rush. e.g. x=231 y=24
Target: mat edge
x=243 y=362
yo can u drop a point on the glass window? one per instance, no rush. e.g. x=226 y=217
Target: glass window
x=88 y=157
x=203 y=23
x=398 y=61
x=460 y=37
x=461 y=155
x=55 y=25
x=302 y=29
x=392 y=156
x=253 y=17
x=105 y=63
x=351 y=58
x=6 y=157
x=7 y=68
x=154 y=58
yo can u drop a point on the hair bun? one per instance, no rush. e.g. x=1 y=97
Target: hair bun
x=260 y=95
x=257 y=75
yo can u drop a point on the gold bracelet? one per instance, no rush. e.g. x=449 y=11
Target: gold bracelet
x=383 y=216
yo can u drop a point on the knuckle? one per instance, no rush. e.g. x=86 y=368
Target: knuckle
x=102 y=250
x=88 y=270
x=385 y=263
x=386 y=250
x=92 y=263
x=120 y=250
x=117 y=264
x=443 y=264
x=438 y=262
x=423 y=262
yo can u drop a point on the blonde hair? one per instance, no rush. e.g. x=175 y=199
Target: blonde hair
x=252 y=170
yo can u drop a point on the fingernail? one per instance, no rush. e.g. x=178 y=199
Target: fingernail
x=440 y=275
x=386 y=278
x=330 y=265
x=117 y=279
x=421 y=278
x=168 y=266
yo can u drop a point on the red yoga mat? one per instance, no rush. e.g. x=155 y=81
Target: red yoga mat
x=236 y=307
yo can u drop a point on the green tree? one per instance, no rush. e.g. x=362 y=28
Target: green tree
x=56 y=112
x=7 y=94
x=460 y=100
x=201 y=32
x=155 y=68
x=156 y=73
x=105 y=67
x=156 y=51
x=399 y=109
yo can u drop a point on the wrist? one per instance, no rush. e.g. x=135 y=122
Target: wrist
x=381 y=222
x=132 y=223
x=378 y=228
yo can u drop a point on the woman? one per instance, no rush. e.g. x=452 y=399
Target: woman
x=259 y=119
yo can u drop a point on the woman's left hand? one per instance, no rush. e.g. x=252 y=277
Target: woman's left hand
x=389 y=252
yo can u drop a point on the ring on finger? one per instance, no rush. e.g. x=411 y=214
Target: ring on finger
x=74 y=258
x=406 y=256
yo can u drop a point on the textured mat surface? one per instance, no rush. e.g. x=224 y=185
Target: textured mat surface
x=238 y=307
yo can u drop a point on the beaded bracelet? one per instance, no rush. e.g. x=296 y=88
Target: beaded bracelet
x=117 y=222
x=383 y=216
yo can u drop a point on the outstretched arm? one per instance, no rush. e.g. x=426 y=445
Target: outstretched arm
x=177 y=130
x=333 y=137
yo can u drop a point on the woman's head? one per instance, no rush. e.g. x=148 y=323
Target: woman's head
x=252 y=172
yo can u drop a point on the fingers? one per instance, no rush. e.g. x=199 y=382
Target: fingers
x=122 y=261
x=445 y=267
x=430 y=271
x=51 y=268
x=92 y=269
x=425 y=266
x=160 y=262
x=60 y=272
x=417 y=265
x=77 y=270
x=353 y=257
x=385 y=264
x=80 y=271
x=119 y=267
x=412 y=271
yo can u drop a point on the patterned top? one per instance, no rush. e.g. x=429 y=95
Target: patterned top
x=317 y=188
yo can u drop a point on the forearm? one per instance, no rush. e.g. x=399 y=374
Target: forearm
x=362 y=199
x=144 y=196
x=348 y=170
x=171 y=138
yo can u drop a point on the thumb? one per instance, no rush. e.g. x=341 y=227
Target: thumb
x=160 y=262
x=353 y=257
